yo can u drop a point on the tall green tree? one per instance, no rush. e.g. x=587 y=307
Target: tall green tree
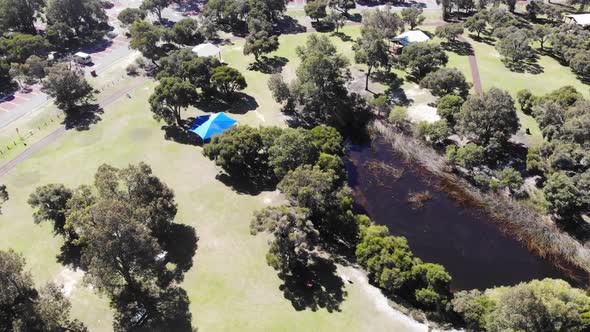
x=489 y=119
x=476 y=23
x=228 y=80
x=342 y=5
x=448 y=107
x=23 y=307
x=515 y=47
x=146 y=38
x=316 y=9
x=129 y=16
x=185 y=64
x=260 y=42
x=125 y=233
x=423 y=58
x=50 y=204
x=20 y=15
x=450 y=31
x=295 y=244
x=67 y=86
x=18 y=47
x=155 y=6
x=84 y=17
x=327 y=198
x=385 y=20
x=541 y=33
x=446 y=81
x=371 y=50
x=242 y=152
x=539 y=305
x=563 y=195
x=170 y=97
x=187 y=32
x=412 y=16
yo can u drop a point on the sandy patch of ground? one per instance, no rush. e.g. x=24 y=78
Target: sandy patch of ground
x=380 y=301
x=69 y=279
x=418 y=113
x=359 y=278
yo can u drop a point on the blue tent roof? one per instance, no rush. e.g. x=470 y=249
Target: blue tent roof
x=209 y=125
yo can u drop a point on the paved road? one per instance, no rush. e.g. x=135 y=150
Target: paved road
x=103 y=102
x=104 y=55
x=474 y=68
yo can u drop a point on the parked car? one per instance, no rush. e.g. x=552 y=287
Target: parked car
x=82 y=58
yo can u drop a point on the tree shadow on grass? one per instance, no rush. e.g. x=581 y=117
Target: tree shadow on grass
x=245 y=186
x=315 y=287
x=322 y=26
x=398 y=96
x=344 y=37
x=241 y=103
x=458 y=47
x=269 y=65
x=82 y=117
x=181 y=135
x=482 y=39
x=356 y=17
x=388 y=78
x=288 y=25
x=70 y=255
x=526 y=66
x=180 y=243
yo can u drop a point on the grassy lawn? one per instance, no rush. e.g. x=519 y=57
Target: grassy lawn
x=493 y=73
x=553 y=76
x=230 y=285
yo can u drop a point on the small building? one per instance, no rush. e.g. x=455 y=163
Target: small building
x=411 y=36
x=207 y=49
x=582 y=20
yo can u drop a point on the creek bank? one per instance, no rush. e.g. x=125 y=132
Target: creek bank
x=473 y=246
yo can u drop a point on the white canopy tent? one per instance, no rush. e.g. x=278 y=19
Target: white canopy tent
x=207 y=49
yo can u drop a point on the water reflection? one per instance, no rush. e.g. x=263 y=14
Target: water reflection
x=438 y=228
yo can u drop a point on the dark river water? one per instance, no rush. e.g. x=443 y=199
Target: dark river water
x=461 y=238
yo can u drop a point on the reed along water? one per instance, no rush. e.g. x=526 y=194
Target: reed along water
x=439 y=229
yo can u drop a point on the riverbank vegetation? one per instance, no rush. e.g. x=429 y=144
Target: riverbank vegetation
x=538 y=232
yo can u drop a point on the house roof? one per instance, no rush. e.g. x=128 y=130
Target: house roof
x=581 y=19
x=206 y=49
x=412 y=36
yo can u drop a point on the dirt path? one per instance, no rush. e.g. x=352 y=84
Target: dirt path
x=474 y=67
x=59 y=132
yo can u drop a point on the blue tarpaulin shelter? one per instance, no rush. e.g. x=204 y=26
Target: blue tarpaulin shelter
x=208 y=125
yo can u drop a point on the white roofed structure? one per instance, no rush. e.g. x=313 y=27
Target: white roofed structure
x=579 y=19
x=411 y=36
x=207 y=49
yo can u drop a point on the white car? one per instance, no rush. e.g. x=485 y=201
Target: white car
x=82 y=58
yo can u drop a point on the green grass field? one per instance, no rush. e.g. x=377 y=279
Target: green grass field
x=230 y=285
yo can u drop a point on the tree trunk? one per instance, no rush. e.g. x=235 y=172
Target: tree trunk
x=367 y=78
x=178 y=117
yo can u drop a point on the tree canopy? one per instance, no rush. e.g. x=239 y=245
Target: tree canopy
x=68 y=86
x=23 y=307
x=422 y=58
x=489 y=119
x=170 y=97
